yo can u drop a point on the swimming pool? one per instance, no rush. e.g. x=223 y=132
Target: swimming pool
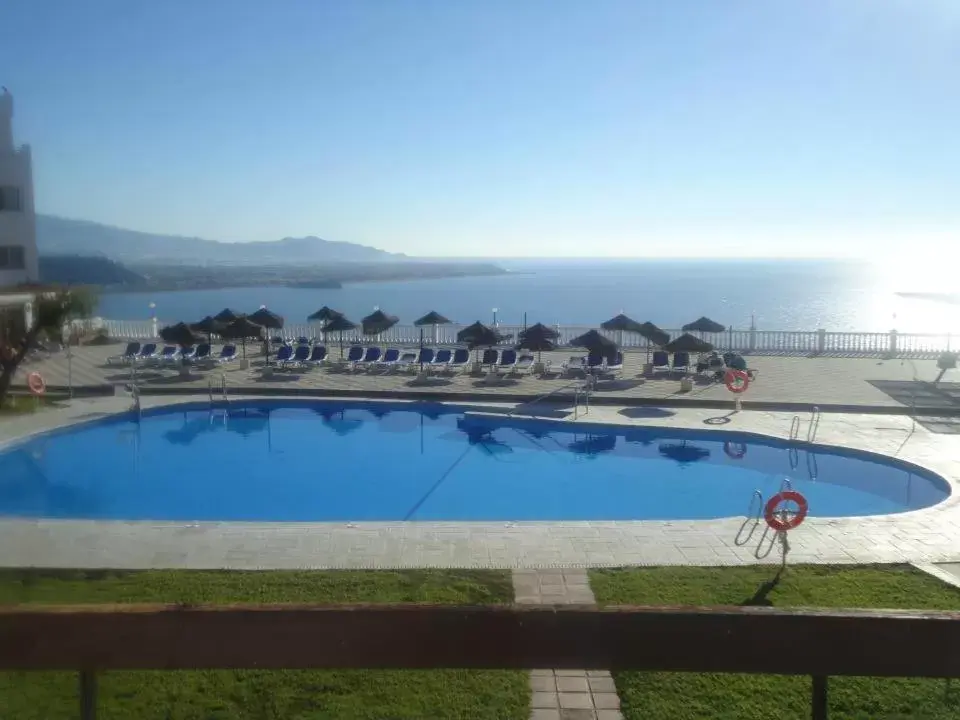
x=310 y=461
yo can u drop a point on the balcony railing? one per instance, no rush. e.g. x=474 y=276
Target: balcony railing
x=818 y=643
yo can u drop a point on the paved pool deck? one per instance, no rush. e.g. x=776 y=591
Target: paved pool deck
x=925 y=536
x=868 y=382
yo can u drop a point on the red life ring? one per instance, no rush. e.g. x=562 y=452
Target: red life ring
x=36 y=383
x=735 y=450
x=737 y=381
x=781 y=524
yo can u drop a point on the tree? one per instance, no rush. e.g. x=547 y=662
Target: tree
x=51 y=310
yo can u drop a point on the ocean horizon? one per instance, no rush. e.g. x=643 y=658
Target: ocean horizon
x=837 y=295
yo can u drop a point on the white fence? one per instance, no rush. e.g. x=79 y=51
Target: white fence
x=759 y=342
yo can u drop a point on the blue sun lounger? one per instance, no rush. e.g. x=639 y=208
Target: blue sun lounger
x=681 y=363
x=661 y=362
x=147 y=353
x=460 y=360
x=441 y=360
x=127 y=356
x=508 y=361
x=318 y=355
x=169 y=355
x=370 y=358
x=390 y=360
x=284 y=355
x=354 y=355
x=228 y=353
x=299 y=357
x=203 y=353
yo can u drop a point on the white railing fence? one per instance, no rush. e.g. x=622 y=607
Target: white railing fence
x=761 y=342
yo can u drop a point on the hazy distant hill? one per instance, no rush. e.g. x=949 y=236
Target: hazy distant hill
x=77 y=270
x=61 y=236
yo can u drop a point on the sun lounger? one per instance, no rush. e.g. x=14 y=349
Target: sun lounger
x=370 y=358
x=423 y=358
x=525 y=364
x=681 y=362
x=460 y=360
x=611 y=369
x=508 y=361
x=169 y=354
x=407 y=360
x=441 y=360
x=148 y=353
x=202 y=354
x=228 y=353
x=391 y=357
x=354 y=355
x=299 y=357
x=594 y=362
x=661 y=362
x=575 y=363
x=188 y=355
x=318 y=355
x=284 y=355
x=127 y=356
x=490 y=358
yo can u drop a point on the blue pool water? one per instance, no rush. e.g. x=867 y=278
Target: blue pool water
x=364 y=462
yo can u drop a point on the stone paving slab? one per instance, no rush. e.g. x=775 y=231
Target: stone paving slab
x=931 y=535
x=821 y=380
x=565 y=694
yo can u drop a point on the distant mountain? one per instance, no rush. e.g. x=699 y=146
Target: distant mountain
x=85 y=270
x=61 y=236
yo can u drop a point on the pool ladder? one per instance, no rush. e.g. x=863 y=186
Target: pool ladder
x=135 y=392
x=220 y=387
x=812 y=428
x=581 y=395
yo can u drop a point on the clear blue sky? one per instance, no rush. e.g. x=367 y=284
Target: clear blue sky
x=499 y=127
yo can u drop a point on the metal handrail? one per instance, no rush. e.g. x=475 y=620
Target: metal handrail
x=795 y=427
x=814 y=424
x=135 y=391
x=758 y=496
x=812 y=469
x=575 y=385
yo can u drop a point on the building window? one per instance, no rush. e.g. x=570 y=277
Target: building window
x=12 y=257
x=10 y=200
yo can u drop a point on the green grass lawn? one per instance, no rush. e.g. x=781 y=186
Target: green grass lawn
x=23 y=405
x=263 y=695
x=680 y=696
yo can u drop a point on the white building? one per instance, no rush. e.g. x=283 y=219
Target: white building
x=18 y=223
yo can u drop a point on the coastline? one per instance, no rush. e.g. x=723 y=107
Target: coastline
x=258 y=282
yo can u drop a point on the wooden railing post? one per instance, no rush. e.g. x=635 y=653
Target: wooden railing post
x=818 y=697
x=88 y=695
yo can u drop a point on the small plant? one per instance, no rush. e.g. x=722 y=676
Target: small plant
x=946 y=361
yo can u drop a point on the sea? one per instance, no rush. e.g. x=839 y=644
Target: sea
x=839 y=296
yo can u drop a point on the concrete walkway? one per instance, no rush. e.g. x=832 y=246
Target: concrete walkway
x=565 y=694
